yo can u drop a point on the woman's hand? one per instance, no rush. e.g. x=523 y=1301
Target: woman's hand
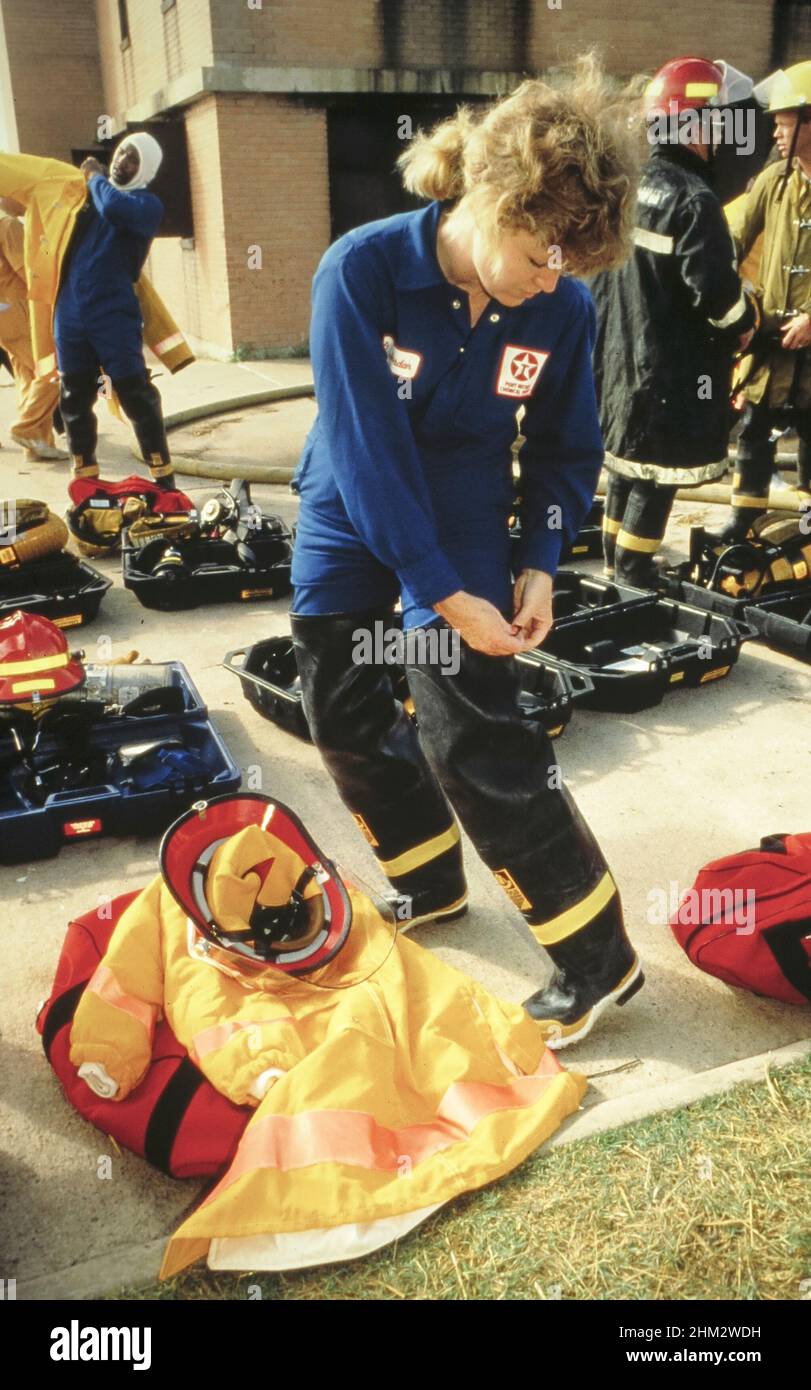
x=480 y=624
x=532 y=607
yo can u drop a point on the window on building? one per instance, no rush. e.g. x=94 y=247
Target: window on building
x=123 y=21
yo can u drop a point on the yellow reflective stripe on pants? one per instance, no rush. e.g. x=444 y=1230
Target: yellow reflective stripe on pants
x=627 y=541
x=610 y=526
x=414 y=858
x=571 y=921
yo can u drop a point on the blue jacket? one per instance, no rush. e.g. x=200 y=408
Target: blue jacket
x=406 y=480
x=110 y=244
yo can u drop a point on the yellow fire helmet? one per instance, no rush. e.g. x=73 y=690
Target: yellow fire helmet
x=788 y=89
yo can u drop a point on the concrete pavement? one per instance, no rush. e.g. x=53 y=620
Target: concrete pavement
x=706 y=773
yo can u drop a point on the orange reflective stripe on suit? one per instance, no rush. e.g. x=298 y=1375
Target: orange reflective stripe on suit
x=286 y=1142
x=105 y=985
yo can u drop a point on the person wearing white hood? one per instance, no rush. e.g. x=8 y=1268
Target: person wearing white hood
x=97 y=322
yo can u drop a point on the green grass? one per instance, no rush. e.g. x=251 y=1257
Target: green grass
x=710 y=1201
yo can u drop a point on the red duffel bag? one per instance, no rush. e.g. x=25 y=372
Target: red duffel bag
x=175 y=1119
x=747 y=919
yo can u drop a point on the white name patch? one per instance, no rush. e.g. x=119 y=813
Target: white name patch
x=402 y=363
x=519 y=370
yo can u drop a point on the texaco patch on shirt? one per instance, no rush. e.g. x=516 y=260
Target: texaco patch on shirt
x=402 y=363
x=519 y=370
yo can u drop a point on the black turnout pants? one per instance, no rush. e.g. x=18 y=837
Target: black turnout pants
x=634 y=524
x=474 y=755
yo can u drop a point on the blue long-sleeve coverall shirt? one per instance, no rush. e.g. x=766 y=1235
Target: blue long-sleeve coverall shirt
x=406 y=480
x=98 y=317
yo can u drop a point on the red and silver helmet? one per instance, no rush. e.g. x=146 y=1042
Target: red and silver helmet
x=247 y=874
x=35 y=663
x=686 y=84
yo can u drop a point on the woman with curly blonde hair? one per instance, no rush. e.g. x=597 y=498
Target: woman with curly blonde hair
x=429 y=330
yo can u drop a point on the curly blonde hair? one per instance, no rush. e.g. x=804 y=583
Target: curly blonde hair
x=558 y=160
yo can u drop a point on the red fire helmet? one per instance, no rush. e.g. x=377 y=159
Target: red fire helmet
x=686 y=84
x=247 y=874
x=35 y=662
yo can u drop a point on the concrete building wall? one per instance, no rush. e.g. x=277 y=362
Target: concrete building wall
x=53 y=61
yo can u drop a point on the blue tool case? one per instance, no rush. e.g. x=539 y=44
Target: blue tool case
x=125 y=755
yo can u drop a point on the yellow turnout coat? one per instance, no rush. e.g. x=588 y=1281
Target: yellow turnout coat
x=375 y=1102
x=52 y=194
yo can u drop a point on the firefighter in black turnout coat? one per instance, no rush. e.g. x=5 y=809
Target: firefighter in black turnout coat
x=668 y=322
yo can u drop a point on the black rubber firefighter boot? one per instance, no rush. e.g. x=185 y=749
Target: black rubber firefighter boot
x=502 y=777
x=641 y=534
x=616 y=498
x=752 y=476
x=371 y=748
x=78 y=393
x=595 y=965
x=141 y=403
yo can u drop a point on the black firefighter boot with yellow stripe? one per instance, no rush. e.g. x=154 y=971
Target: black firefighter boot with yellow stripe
x=371 y=748
x=641 y=533
x=617 y=493
x=141 y=403
x=78 y=393
x=501 y=775
x=752 y=476
x=595 y=965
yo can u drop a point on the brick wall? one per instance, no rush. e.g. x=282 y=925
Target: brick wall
x=258 y=171
x=640 y=35
x=194 y=280
x=53 y=60
x=275 y=196
x=520 y=35
x=298 y=33
x=162 y=46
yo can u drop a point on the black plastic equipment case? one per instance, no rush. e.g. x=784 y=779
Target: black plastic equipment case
x=60 y=587
x=270 y=682
x=576 y=595
x=784 y=621
x=549 y=693
x=218 y=575
x=677 y=584
x=680 y=581
x=32 y=830
x=269 y=679
x=587 y=544
x=635 y=653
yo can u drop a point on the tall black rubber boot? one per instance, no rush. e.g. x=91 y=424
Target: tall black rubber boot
x=141 y=403
x=753 y=473
x=78 y=393
x=644 y=523
x=503 y=780
x=372 y=750
x=617 y=493
x=594 y=967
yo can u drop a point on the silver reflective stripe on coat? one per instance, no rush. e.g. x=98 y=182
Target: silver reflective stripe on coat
x=654 y=241
x=736 y=312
